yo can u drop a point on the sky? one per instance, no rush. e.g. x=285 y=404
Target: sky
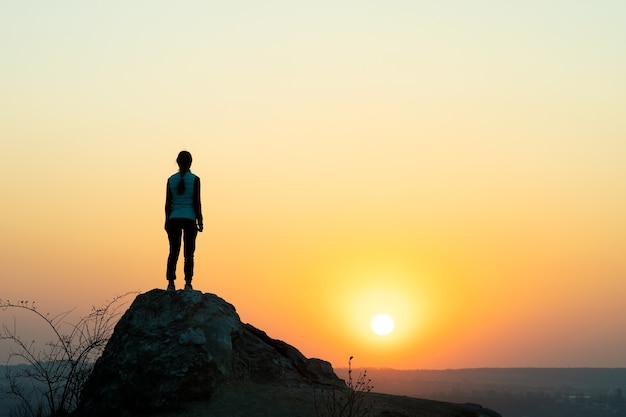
x=456 y=165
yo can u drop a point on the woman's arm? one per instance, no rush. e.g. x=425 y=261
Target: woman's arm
x=168 y=202
x=197 y=204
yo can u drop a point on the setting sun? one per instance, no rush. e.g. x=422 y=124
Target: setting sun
x=382 y=324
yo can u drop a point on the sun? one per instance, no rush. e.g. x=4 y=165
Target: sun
x=382 y=324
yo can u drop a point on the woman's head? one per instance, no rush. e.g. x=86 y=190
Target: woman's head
x=184 y=161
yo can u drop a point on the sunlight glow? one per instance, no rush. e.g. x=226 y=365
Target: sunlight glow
x=382 y=324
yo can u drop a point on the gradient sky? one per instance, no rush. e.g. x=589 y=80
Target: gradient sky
x=458 y=165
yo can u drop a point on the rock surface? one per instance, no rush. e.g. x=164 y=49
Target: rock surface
x=186 y=353
x=173 y=347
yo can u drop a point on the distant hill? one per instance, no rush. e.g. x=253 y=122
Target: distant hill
x=8 y=402
x=429 y=382
x=514 y=392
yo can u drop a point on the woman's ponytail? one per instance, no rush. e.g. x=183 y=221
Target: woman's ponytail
x=184 y=162
x=181 y=184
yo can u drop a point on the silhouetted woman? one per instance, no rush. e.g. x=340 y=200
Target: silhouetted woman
x=183 y=217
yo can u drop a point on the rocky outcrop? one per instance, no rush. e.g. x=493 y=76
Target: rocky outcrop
x=187 y=354
x=170 y=348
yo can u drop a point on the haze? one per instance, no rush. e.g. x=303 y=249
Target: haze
x=456 y=165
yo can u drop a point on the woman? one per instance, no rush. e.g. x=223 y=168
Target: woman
x=183 y=216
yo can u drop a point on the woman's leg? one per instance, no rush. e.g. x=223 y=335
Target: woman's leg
x=190 y=247
x=174 y=231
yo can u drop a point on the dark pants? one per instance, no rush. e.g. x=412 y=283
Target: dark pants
x=175 y=228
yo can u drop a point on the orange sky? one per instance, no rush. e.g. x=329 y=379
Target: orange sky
x=459 y=167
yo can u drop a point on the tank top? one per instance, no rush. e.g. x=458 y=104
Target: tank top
x=182 y=204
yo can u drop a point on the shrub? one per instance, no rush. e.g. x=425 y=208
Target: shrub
x=52 y=382
x=349 y=402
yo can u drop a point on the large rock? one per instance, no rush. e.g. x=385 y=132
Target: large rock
x=170 y=348
x=187 y=354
